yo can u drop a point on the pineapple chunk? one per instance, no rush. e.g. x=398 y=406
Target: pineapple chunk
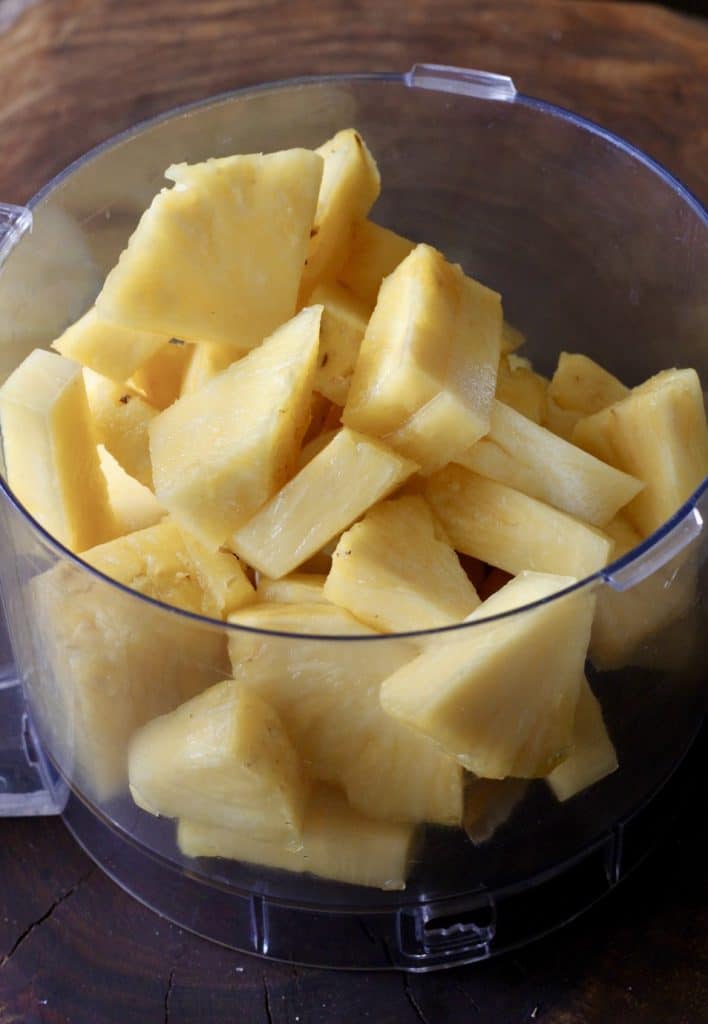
x=507 y=529
x=374 y=253
x=511 y=339
x=559 y=421
x=659 y=434
x=344 y=320
x=592 y=757
x=583 y=386
x=218 y=257
x=134 y=506
x=205 y=361
x=160 y=377
x=335 y=488
x=350 y=186
x=50 y=450
x=224 y=759
x=625 y=620
x=121 y=419
x=523 y=455
x=501 y=695
x=107 y=662
x=314 y=446
x=392 y=572
x=221 y=577
x=298 y=588
x=434 y=332
x=113 y=351
x=522 y=389
x=337 y=843
x=325 y=688
x=489 y=803
x=220 y=453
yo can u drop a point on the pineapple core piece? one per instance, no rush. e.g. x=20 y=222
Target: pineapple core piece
x=337 y=842
x=223 y=759
x=121 y=419
x=392 y=571
x=350 y=186
x=374 y=253
x=659 y=434
x=501 y=695
x=592 y=756
x=134 y=506
x=348 y=476
x=344 y=320
x=50 y=450
x=508 y=529
x=109 y=349
x=220 y=453
x=526 y=456
x=325 y=687
x=218 y=257
x=432 y=348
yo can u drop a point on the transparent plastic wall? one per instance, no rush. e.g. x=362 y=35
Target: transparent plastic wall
x=594 y=250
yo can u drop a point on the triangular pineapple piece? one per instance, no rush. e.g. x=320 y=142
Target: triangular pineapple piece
x=109 y=349
x=297 y=588
x=223 y=759
x=221 y=577
x=218 y=257
x=344 y=321
x=221 y=452
x=526 y=456
x=325 y=687
x=659 y=434
x=337 y=842
x=592 y=756
x=507 y=529
x=501 y=695
x=489 y=803
x=391 y=571
x=134 y=506
x=320 y=502
x=511 y=338
x=206 y=360
x=578 y=388
x=121 y=418
x=520 y=387
x=350 y=186
x=51 y=459
x=160 y=378
x=433 y=330
x=374 y=253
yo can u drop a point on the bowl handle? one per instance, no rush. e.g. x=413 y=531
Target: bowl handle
x=465 y=81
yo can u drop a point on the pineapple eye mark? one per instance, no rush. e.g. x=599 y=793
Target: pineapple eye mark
x=124 y=399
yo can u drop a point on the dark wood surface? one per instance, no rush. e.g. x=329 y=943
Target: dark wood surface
x=73 y=948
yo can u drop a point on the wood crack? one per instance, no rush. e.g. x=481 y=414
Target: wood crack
x=168 y=995
x=413 y=1001
x=266 y=996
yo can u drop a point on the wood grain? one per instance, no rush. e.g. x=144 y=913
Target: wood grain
x=73 y=948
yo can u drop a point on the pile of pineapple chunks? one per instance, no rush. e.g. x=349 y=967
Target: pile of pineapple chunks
x=282 y=415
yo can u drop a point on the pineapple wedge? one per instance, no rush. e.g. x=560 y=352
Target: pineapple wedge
x=298 y=588
x=489 y=803
x=659 y=434
x=581 y=385
x=107 y=662
x=50 y=450
x=113 y=351
x=350 y=186
x=511 y=339
x=338 y=843
x=625 y=620
x=224 y=759
x=218 y=257
x=524 y=455
x=314 y=446
x=520 y=388
x=374 y=253
x=205 y=361
x=344 y=320
x=160 y=378
x=392 y=572
x=220 y=453
x=433 y=331
x=592 y=756
x=507 y=529
x=501 y=695
x=134 y=506
x=348 y=476
x=325 y=688
x=221 y=577
x=121 y=419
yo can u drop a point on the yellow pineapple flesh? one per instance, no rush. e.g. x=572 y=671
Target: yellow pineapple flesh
x=221 y=577
x=161 y=377
x=220 y=453
x=344 y=320
x=297 y=588
x=121 y=418
x=581 y=385
x=374 y=253
x=218 y=257
x=592 y=756
x=109 y=349
x=521 y=388
x=392 y=571
x=134 y=506
x=206 y=360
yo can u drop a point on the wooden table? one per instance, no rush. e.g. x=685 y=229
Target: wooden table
x=73 y=948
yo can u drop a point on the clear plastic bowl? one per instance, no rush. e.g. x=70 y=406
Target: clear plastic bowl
x=595 y=249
